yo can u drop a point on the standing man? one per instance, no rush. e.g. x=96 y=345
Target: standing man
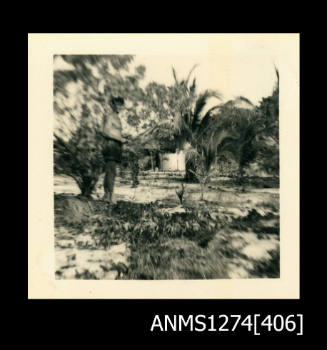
x=112 y=151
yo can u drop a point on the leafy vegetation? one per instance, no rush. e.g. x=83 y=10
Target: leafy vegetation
x=141 y=224
x=78 y=144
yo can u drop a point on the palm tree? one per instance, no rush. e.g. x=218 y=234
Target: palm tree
x=188 y=119
x=201 y=135
x=226 y=128
x=187 y=109
x=233 y=131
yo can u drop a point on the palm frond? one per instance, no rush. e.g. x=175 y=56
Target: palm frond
x=175 y=75
x=193 y=87
x=230 y=149
x=189 y=74
x=220 y=135
x=277 y=82
x=241 y=102
x=201 y=102
x=277 y=73
x=227 y=154
x=206 y=119
x=178 y=123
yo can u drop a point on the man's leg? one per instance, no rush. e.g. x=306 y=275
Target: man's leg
x=109 y=179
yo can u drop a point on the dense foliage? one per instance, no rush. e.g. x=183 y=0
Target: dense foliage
x=93 y=80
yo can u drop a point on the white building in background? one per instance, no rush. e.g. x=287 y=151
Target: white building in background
x=173 y=161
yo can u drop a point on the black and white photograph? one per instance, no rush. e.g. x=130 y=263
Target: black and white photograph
x=167 y=166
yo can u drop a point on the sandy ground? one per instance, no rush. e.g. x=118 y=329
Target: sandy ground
x=75 y=258
x=152 y=190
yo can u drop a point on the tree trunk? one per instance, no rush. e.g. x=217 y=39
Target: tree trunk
x=135 y=172
x=202 y=191
x=151 y=161
x=241 y=178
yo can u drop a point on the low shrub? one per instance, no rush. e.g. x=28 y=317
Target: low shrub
x=73 y=211
x=141 y=224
